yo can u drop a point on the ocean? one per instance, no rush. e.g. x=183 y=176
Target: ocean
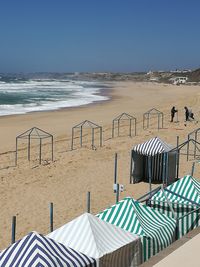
x=20 y=95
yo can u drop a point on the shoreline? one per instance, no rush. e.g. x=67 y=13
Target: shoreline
x=133 y=98
x=103 y=92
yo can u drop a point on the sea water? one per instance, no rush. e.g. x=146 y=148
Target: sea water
x=19 y=96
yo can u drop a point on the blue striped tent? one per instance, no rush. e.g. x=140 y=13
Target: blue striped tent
x=35 y=250
x=155 y=229
x=153 y=159
x=184 y=198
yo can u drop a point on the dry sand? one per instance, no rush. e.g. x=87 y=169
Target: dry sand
x=27 y=190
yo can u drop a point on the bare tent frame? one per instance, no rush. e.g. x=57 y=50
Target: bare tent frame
x=180 y=146
x=195 y=135
x=124 y=116
x=153 y=111
x=87 y=124
x=34 y=133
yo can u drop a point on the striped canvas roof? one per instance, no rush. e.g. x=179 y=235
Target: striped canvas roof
x=152 y=147
x=90 y=235
x=186 y=187
x=35 y=250
x=140 y=219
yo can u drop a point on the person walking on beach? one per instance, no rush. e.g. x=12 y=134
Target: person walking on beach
x=186 y=114
x=173 y=111
x=191 y=114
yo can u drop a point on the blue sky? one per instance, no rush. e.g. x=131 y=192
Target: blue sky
x=99 y=35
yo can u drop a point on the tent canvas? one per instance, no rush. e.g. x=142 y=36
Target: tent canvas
x=153 y=160
x=184 y=197
x=37 y=250
x=108 y=244
x=155 y=229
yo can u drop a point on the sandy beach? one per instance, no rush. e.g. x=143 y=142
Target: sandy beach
x=27 y=190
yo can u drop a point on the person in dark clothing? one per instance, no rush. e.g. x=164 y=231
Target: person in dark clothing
x=191 y=115
x=173 y=111
x=186 y=113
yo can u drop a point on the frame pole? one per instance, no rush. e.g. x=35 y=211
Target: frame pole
x=88 y=201
x=117 y=193
x=158 y=121
x=149 y=171
x=92 y=138
x=167 y=168
x=177 y=155
x=81 y=137
x=130 y=127
x=72 y=143
x=169 y=203
x=51 y=217
x=101 y=137
x=188 y=147
x=13 y=229
x=131 y=167
x=29 y=147
x=115 y=170
x=40 y=155
x=163 y=170
x=113 y=129
x=192 y=171
x=16 y=152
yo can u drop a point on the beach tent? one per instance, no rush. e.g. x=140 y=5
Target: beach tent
x=155 y=229
x=153 y=160
x=37 y=250
x=180 y=200
x=108 y=244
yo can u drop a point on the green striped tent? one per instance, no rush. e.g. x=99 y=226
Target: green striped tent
x=184 y=198
x=155 y=229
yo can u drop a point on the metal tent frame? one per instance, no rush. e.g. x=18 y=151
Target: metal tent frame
x=34 y=133
x=195 y=135
x=87 y=124
x=153 y=111
x=124 y=116
x=180 y=146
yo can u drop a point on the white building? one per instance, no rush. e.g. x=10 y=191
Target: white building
x=179 y=80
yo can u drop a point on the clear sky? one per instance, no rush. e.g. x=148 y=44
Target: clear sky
x=99 y=35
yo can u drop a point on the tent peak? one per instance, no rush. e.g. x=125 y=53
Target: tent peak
x=88 y=124
x=152 y=147
x=154 y=111
x=34 y=132
x=89 y=227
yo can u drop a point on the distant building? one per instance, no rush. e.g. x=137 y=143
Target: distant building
x=179 y=80
x=180 y=71
x=150 y=72
x=154 y=79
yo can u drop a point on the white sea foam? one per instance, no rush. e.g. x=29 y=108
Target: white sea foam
x=41 y=95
